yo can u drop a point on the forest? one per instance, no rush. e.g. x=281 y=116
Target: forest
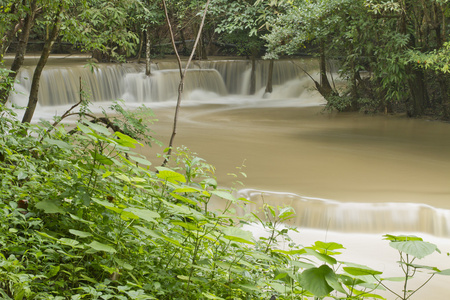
x=84 y=215
x=393 y=55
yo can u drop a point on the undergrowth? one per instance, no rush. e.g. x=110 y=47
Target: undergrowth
x=83 y=216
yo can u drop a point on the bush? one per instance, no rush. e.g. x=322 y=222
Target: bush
x=85 y=217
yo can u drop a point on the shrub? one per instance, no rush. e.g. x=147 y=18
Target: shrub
x=85 y=217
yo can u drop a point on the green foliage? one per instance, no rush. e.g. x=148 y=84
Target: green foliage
x=85 y=217
x=380 y=49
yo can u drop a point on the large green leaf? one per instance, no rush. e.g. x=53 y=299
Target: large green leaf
x=125 y=140
x=418 y=249
x=327 y=247
x=58 y=143
x=332 y=280
x=238 y=235
x=140 y=160
x=97 y=127
x=144 y=214
x=101 y=247
x=170 y=175
x=224 y=195
x=50 y=206
x=101 y=158
x=81 y=234
x=315 y=280
x=323 y=257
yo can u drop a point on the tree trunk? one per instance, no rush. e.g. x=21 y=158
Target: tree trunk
x=444 y=96
x=184 y=51
x=148 y=46
x=270 y=78
x=253 y=76
x=141 y=46
x=200 y=51
x=418 y=91
x=21 y=49
x=33 y=99
x=324 y=83
x=324 y=87
x=8 y=37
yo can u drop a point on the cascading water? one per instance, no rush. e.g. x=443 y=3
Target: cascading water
x=355 y=217
x=61 y=85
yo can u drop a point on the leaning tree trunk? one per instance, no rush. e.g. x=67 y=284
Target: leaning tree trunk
x=148 y=46
x=21 y=49
x=270 y=78
x=8 y=37
x=325 y=88
x=33 y=99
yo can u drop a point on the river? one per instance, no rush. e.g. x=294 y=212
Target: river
x=350 y=177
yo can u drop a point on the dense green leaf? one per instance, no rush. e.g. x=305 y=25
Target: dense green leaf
x=81 y=234
x=170 y=175
x=50 y=206
x=101 y=247
x=315 y=280
x=144 y=214
x=238 y=235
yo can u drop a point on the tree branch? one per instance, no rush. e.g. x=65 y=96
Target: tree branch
x=182 y=73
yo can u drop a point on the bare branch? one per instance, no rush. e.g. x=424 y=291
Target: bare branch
x=182 y=73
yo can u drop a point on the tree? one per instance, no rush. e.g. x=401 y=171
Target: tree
x=55 y=24
x=105 y=28
x=376 y=37
x=25 y=13
x=98 y=26
x=242 y=23
x=147 y=15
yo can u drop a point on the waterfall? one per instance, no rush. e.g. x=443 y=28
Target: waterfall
x=60 y=84
x=354 y=217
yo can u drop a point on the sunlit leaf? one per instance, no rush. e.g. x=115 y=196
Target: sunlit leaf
x=125 y=140
x=401 y=238
x=170 y=175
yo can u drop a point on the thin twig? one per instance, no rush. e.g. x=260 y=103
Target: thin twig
x=182 y=73
x=65 y=115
